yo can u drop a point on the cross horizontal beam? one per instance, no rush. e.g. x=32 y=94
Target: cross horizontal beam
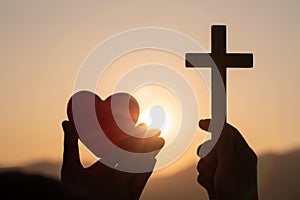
x=230 y=60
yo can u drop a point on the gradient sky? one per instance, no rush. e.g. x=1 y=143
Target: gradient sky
x=43 y=44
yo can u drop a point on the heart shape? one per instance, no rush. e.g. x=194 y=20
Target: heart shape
x=100 y=123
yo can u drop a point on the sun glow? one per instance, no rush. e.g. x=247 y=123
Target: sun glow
x=159 y=109
x=156 y=118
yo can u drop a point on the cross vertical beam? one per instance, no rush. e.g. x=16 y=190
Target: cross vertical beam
x=222 y=61
x=218 y=48
x=218 y=40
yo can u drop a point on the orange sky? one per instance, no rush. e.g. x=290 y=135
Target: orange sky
x=44 y=43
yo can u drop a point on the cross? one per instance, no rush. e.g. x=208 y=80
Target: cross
x=222 y=60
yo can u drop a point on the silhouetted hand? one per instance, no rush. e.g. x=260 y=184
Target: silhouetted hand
x=99 y=180
x=229 y=171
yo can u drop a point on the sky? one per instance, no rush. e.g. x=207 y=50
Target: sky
x=43 y=44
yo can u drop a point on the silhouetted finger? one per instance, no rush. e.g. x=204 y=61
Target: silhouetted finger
x=69 y=131
x=222 y=148
x=143 y=145
x=206 y=169
x=206 y=143
x=206 y=177
x=71 y=161
x=153 y=142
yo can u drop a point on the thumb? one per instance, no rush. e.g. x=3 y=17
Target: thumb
x=208 y=148
x=222 y=146
x=71 y=161
x=204 y=124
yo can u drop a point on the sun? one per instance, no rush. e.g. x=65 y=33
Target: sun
x=156 y=118
x=159 y=109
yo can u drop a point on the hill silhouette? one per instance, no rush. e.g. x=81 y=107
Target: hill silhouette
x=278 y=176
x=45 y=168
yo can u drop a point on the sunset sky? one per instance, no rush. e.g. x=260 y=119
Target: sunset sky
x=43 y=44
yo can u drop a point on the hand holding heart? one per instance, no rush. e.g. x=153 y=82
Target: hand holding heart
x=114 y=118
x=117 y=115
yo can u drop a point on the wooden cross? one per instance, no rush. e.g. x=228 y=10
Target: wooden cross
x=222 y=60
